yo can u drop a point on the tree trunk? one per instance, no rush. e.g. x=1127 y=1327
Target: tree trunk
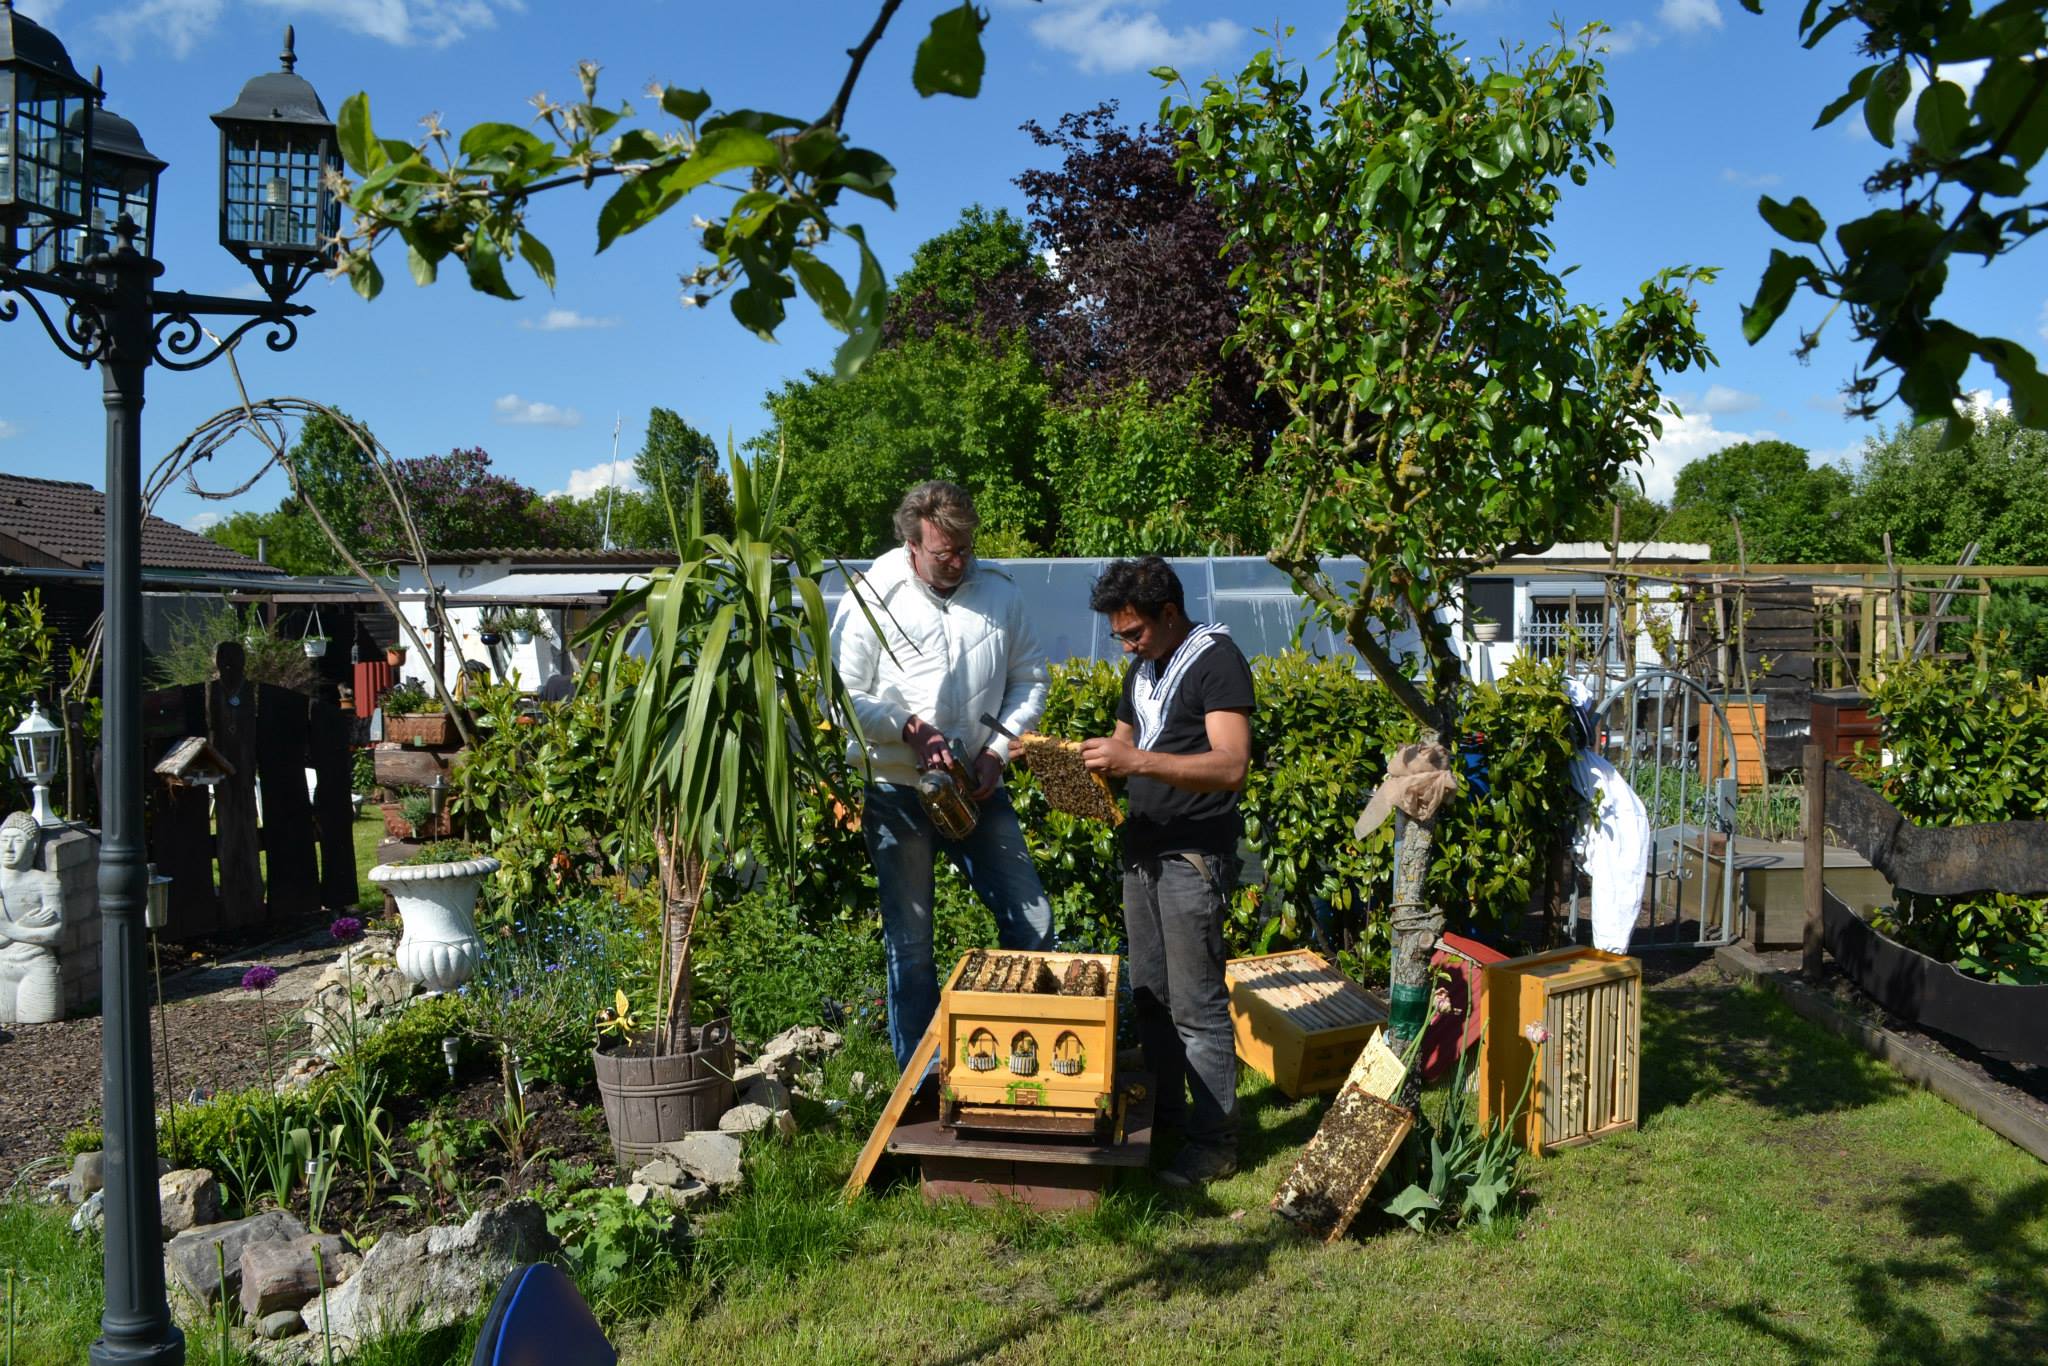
x=1416 y=925
x=682 y=891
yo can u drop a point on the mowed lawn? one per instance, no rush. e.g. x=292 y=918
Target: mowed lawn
x=1787 y=1199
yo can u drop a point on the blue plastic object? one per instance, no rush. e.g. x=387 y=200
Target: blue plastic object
x=539 y=1319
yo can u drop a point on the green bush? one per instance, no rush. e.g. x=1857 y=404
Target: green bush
x=86 y=1138
x=1969 y=745
x=407 y=1051
x=1320 y=738
x=26 y=645
x=207 y=1132
x=267 y=656
x=536 y=789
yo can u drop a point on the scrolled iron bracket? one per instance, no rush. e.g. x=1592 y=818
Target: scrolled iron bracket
x=177 y=335
x=81 y=336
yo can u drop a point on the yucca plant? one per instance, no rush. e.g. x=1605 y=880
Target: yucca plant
x=725 y=728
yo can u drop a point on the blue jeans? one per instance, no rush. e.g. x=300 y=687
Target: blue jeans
x=902 y=844
x=1173 y=914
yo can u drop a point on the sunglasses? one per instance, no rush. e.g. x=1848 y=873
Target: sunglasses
x=1130 y=637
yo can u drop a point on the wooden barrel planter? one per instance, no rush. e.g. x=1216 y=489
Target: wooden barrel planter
x=649 y=1100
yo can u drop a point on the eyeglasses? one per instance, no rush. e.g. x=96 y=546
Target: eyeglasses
x=957 y=555
x=1130 y=637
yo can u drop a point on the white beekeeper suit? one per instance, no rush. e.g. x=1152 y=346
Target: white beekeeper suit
x=950 y=660
x=1614 y=833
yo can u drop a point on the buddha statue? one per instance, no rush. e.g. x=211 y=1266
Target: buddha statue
x=31 y=922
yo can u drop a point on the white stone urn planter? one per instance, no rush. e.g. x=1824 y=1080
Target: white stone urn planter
x=439 y=947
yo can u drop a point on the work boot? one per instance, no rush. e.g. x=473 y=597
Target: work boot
x=1198 y=1165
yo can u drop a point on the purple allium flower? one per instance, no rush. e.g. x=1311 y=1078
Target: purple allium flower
x=346 y=929
x=259 y=978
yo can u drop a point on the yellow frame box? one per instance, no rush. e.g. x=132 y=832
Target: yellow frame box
x=1299 y=1022
x=1587 y=1070
x=1073 y=1038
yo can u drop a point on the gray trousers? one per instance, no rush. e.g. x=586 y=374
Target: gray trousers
x=1173 y=920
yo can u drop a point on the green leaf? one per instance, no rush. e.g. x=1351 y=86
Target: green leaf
x=686 y=105
x=359 y=146
x=1859 y=84
x=538 y=258
x=1888 y=91
x=364 y=275
x=647 y=196
x=500 y=139
x=1941 y=118
x=1781 y=278
x=950 y=60
x=825 y=288
x=1798 y=220
x=1165 y=74
x=487 y=267
x=422 y=266
x=870 y=306
x=864 y=172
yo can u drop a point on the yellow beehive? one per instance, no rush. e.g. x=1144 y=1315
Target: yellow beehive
x=1298 y=1021
x=1586 y=1060
x=1029 y=1050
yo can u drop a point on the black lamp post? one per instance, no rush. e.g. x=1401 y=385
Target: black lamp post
x=77 y=219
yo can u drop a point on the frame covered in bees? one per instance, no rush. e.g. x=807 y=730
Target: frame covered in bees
x=1028 y=1042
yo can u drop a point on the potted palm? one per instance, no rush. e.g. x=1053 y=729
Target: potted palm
x=715 y=739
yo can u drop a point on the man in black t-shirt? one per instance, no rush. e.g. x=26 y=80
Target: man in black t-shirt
x=1183 y=742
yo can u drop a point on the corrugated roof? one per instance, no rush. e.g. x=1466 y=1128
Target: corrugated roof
x=628 y=559
x=66 y=522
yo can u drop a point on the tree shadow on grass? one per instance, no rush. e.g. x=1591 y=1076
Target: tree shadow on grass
x=1720 y=1039
x=1959 y=1235
x=1214 y=1267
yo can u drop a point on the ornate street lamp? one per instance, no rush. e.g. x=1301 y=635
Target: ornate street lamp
x=278 y=213
x=61 y=158
x=37 y=746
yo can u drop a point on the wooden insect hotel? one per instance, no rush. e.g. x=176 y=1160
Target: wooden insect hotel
x=1575 y=1017
x=1297 y=1020
x=1028 y=1042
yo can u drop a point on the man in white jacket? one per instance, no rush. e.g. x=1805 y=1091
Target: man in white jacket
x=943 y=641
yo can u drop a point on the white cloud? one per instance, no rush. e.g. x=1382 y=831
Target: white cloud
x=1685 y=440
x=1722 y=399
x=1690 y=16
x=565 y=320
x=615 y=473
x=200 y=522
x=1104 y=36
x=1628 y=36
x=42 y=11
x=8 y=429
x=514 y=411
x=406 y=23
x=1980 y=404
x=174 y=25
x=1760 y=180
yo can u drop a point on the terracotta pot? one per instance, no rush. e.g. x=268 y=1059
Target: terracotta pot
x=438 y=947
x=394 y=656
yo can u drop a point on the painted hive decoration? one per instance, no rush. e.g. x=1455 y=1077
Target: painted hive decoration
x=1068 y=784
x=1028 y=1042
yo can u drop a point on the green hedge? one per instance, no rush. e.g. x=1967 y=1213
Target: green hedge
x=773 y=941
x=1968 y=745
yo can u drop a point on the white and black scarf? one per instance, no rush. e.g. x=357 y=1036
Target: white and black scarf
x=1153 y=687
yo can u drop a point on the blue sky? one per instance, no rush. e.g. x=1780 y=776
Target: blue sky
x=1714 y=107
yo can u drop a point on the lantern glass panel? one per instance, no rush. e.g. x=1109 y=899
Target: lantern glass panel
x=276 y=198
x=42 y=147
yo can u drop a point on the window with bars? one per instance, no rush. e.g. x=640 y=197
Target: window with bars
x=1565 y=626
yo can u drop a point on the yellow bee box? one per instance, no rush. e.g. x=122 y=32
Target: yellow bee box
x=1299 y=1021
x=1028 y=1040
x=1564 y=1028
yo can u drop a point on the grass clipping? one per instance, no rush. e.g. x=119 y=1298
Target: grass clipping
x=1068 y=784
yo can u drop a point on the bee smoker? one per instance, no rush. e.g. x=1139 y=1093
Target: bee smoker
x=944 y=794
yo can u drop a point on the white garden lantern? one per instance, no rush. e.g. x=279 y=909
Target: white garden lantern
x=38 y=745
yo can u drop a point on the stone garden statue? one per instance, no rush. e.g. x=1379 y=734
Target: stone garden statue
x=31 y=923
